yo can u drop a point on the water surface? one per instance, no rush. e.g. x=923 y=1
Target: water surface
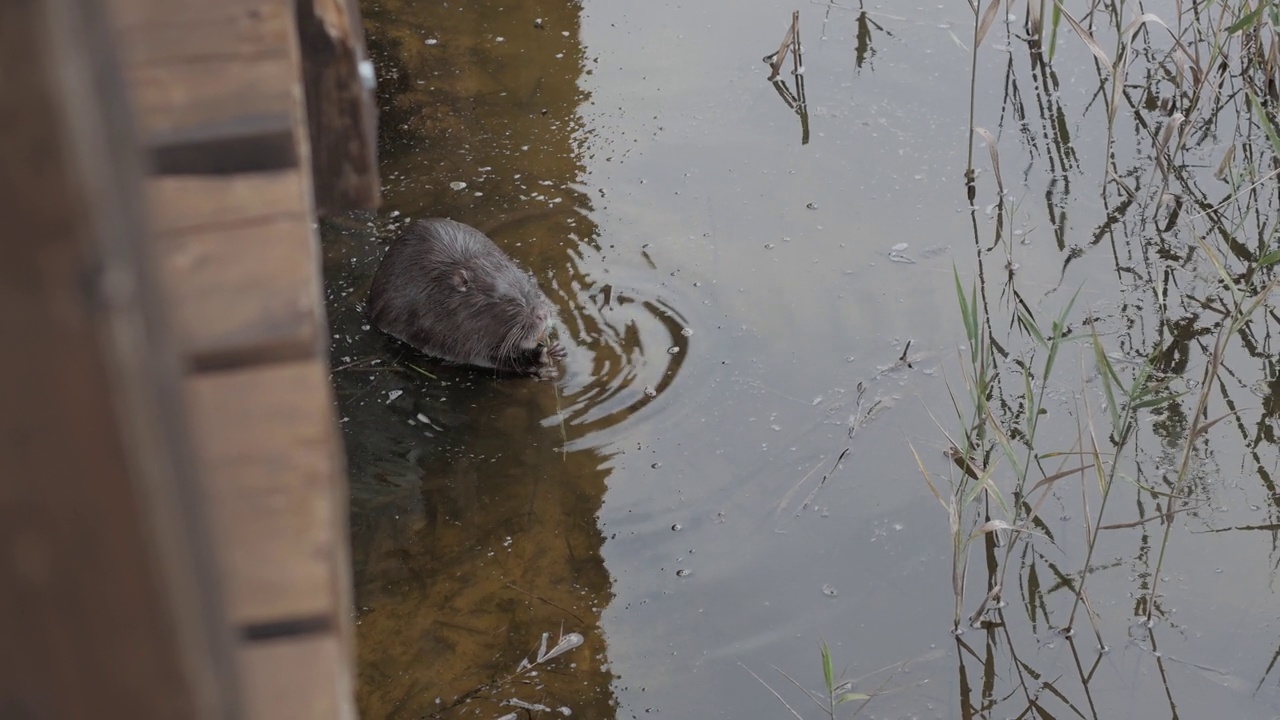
x=749 y=295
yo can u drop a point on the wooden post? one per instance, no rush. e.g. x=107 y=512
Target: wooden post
x=339 y=81
x=108 y=594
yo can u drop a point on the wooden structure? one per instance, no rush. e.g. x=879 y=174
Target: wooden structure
x=172 y=491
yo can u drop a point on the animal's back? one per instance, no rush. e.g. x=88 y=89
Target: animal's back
x=448 y=290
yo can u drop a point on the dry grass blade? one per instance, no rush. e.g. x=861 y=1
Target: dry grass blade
x=1086 y=37
x=788 y=43
x=1264 y=179
x=815 y=697
x=982 y=606
x=995 y=156
x=1225 y=165
x=794 y=714
x=1047 y=484
x=932 y=488
x=1187 y=64
x=1144 y=521
x=1126 y=35
x=814 y=493
x=1051 y=479
x=1034 y=21
x=984 y=484
x=1119 y=182
x=1202 y=429
x=1171 y=128
x=786 y=498
x=993 y=9
x=966 y=464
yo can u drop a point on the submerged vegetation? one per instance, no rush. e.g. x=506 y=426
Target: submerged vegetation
x=1091 y=420
x=1110 y=412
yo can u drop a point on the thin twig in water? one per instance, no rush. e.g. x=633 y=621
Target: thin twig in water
x=787 y=497
x=355 y=362
x=788 y=43
x=539 y=597
x=770 y=689
x=822 y=482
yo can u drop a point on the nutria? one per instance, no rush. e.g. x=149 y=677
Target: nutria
x=447 y=290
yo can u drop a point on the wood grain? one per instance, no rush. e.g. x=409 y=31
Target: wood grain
x=108 y=594
x=267 y=438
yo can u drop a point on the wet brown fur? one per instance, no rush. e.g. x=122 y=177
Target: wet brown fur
x=449 y=291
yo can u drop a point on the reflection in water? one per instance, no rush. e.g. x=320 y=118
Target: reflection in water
x=760 y=497
x=474 y=513
x=473 y=533
x=638 y=349
x=1178 y=330
x=794 y=100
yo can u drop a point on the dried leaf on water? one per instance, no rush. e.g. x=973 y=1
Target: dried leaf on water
x=993 y=9
x=1084 y=34
x=995 y=157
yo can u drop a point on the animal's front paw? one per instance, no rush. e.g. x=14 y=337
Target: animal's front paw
x=545 y=366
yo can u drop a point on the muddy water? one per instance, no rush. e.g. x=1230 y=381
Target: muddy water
x=759 y=307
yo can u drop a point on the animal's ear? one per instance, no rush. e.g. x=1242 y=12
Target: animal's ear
x=460 y=280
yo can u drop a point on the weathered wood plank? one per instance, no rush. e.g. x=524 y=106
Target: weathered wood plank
x=245 y=144
x=245 y=293
x=170 y=97
x=304 y=678
x=184 y=203
x=341 y=110
x=107 y=602
x=276 y=490
x=214 y=71
x=159 y=32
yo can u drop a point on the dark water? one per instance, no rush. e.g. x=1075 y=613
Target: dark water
x=743 y=307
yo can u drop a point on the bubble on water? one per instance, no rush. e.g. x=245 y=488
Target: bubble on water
x=656 y=466
x=899 y=247
x=649 y=391
x=684 y=572
x=830 y=591
x=393 y=394
x=812 y=206
x=769 y=246
x=676 y=527
x=687 y=331
x=457 y=185
x=673 y=350
x=432 y=41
